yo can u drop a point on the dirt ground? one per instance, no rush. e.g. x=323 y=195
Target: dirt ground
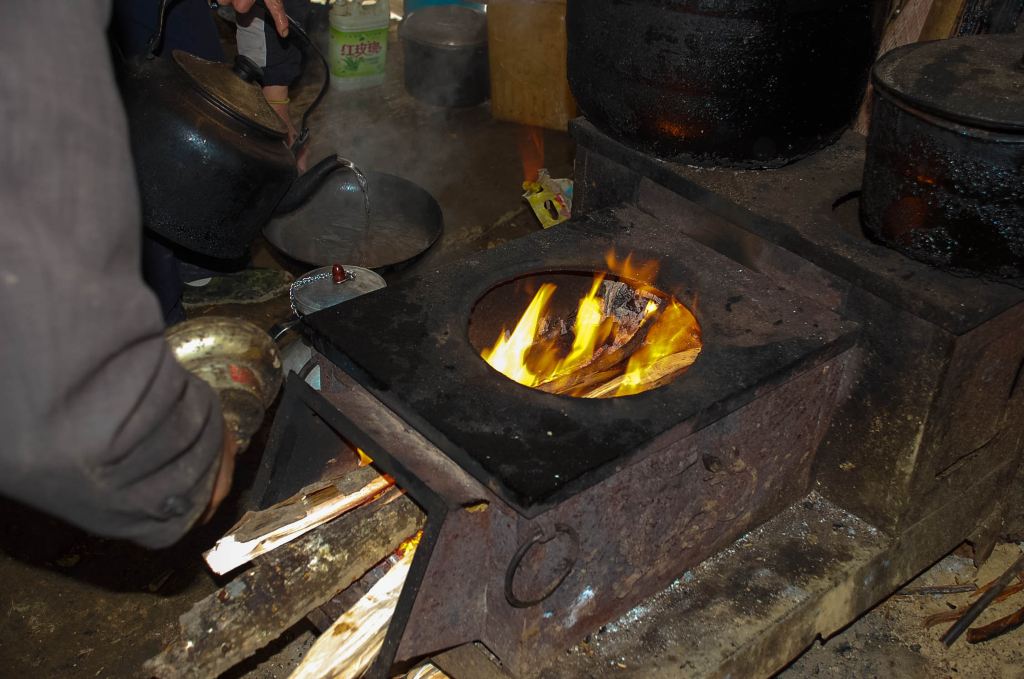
x=892 y=641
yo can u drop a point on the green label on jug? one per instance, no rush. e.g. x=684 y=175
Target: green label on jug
x=357 y=54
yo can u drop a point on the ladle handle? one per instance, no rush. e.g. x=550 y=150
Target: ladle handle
x=279 y=330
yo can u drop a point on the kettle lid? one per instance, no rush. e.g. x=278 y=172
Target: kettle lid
x=975 y=80
x=234 y=88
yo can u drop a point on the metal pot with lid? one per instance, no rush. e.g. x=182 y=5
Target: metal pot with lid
x=211 y=155
x=944 y=173
x=446 y=55
x=740 y=83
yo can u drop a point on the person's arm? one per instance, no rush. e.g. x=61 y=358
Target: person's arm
x=280 y=60
x=100 y=425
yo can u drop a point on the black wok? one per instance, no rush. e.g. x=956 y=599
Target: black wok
x=332 y=225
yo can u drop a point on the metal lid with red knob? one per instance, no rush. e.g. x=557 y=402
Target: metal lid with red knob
x=330 y=285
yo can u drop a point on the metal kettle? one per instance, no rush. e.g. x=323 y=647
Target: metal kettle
x=211 y=155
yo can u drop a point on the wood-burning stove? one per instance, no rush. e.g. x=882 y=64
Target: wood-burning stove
x=852 y=416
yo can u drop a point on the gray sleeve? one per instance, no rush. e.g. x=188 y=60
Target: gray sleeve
x=98 y=423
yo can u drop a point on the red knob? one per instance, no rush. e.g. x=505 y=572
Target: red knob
x=338 y=273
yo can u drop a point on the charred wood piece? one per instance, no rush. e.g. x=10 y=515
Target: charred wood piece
x=259 y=605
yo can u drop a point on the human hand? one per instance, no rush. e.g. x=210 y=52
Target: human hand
x=275 y=7
x=225 y=473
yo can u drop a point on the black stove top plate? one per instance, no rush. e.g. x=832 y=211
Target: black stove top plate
x=409 y=345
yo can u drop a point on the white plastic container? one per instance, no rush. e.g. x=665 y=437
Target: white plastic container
x=359 y=43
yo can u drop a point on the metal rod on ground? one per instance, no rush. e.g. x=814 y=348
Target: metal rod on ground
x=961 y=625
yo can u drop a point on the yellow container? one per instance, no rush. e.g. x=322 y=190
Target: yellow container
x=527 y=53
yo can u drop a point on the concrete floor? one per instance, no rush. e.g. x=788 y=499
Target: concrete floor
x=73 y=605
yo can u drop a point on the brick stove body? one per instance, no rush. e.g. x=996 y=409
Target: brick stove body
x=933 y=408
x=561 y=513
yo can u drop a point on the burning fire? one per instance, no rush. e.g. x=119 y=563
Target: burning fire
x=617 y=349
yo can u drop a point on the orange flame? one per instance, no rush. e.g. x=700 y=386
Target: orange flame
x=670 y=344
x=531 y=151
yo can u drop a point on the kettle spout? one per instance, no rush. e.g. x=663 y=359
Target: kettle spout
x=307 y=184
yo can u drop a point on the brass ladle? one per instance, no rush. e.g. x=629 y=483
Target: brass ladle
x=237 y=359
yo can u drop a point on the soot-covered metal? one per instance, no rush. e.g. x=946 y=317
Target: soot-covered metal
x=409 y=345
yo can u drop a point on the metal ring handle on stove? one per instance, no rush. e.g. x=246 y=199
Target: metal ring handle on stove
x=539 y=537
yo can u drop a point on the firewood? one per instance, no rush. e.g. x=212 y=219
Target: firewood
x=428 y=671
x=950 y=616
x=351 y=644
x=905 y=28
x=262 y=603
x=660 y=370
x=997 y=628
x=260 y=532
x=943 y=19
x=604 y=367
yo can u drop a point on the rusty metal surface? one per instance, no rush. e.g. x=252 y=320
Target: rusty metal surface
x=420 y=456
x=688 y=498
x=929 y=340
x=407 y=344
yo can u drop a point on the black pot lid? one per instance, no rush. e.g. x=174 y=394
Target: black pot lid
x=975 y=80
x=228 y=87
x=446 y=26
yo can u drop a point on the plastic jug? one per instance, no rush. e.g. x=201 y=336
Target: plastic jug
x=359 y=43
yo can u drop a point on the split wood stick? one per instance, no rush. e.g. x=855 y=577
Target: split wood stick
x=943 y=19
x=605 y=366
x=259 y=605
x=950 y=616
x=976 y=635
x=428 y=671
x=941 y=617
x=937 y=589
x=661 y=369
x=260 y=532
x=990 y=584
x=976 y=609
x=351 y=644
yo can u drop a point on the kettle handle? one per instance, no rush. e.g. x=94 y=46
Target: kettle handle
x=153 y=46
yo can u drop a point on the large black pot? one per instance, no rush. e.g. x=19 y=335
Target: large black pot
x=944 y=174
x=211 y=156
x=209 y=177
x=750 y=83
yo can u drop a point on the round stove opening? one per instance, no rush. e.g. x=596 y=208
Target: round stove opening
x=585 y=334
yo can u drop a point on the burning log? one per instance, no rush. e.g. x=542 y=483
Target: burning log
x=260 y=532
x=350 y=645
x=605 y=366
x=259 y=605
x=663 y=369
x=626 y=337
